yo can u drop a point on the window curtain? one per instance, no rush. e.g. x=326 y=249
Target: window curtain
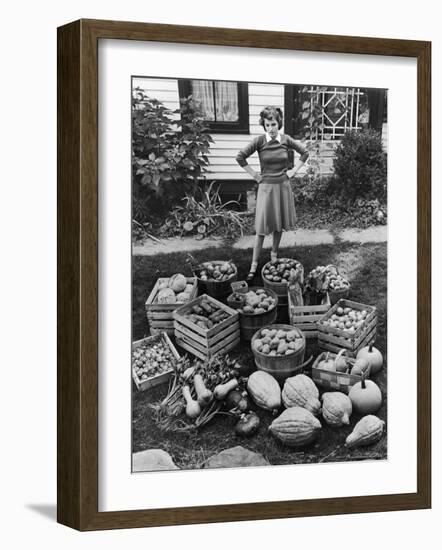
x=226 y=101
x=202 y=91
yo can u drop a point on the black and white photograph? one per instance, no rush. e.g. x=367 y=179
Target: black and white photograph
x=259 y=273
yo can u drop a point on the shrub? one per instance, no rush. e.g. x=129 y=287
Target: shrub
x=360 y=166
x=169 y=154
x=202 y=214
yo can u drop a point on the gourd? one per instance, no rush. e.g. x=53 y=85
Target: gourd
x=360 y=366
x=264 y=390
x=367 y=431
x=193 y=408
x=248 y=424
x=336 y=408
x=327 y=363
x=300 y=391
x=177 y=282
x=340 y=362
x=365 y=396
x=221 y=390
x=295 y=427
x=204 y=395
x=373 y=356
x=166 y=296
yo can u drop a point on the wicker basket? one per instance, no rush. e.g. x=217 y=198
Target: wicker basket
x=331 y=380
x=283 y=366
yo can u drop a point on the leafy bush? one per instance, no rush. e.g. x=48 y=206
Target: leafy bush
x=169 y=154
x=203 y=214
x=360 y=166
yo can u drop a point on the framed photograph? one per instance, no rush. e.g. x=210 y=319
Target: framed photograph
x=243 y=275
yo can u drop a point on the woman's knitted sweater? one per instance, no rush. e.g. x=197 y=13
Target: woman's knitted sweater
x=273 y=156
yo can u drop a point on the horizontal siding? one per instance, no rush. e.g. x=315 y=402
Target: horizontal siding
x=226 y=146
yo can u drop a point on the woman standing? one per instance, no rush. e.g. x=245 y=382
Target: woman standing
x=275 y=207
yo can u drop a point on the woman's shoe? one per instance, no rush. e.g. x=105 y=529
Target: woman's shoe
x=250 y=276
x=252 y=272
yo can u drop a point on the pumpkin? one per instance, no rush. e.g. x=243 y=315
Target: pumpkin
x=373 y=356
x=295 y=427
x=264 y=390
x=177 y=282
x=365 y=396
x=166 y=296
x=367 y=431
x=300 y=391
x=336 y=408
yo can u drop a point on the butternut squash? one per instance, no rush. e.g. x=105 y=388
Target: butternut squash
x=193 y=408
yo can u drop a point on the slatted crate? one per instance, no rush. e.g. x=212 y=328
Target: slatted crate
x=204 y=343
x=162 y=377
x=331 y=380
x=160 y=316
x=334 y=339
x=306 y=318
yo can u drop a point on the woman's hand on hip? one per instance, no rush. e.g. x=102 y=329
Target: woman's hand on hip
x=257 y=177
x=291 y=173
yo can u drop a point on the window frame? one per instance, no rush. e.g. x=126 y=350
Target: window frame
x=242 y=126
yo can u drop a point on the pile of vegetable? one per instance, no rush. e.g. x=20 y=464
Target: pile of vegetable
x=150 y=359
x=340 y=363
x=320 y=280
x=279 y=271
x=274 y=342
x=215 y=271
x=347 y=319
x=254 y=302
x=202 y=389
x=174 y=290
x=206 y=313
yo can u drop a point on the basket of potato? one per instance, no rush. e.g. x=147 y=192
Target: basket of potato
x=257 y=309
x=279 y=350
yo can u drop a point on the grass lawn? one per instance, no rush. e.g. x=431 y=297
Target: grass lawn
x=365 y=265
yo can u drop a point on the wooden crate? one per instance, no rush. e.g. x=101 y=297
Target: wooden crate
x=306 y=318
x=160 y=316
x=334 y=381
x=204 y=343
x=158 y=378
x=334 y=339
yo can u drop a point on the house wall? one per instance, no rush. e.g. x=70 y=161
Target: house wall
x=223 y=165
x=223 y=151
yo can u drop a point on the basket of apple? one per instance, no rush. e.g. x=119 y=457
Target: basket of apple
x=214 y=278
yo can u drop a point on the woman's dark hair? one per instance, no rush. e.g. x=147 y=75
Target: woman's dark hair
x=270 y=112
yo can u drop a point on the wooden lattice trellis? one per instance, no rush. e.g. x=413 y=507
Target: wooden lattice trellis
x=342 y=109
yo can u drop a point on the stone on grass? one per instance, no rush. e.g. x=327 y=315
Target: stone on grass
x=152 y=459
x=236 y=457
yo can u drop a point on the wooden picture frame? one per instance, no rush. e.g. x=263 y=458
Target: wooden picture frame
x=77 y=385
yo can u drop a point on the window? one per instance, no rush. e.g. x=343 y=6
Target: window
x=225 y=105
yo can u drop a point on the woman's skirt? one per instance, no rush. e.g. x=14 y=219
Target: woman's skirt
x=275 y=208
